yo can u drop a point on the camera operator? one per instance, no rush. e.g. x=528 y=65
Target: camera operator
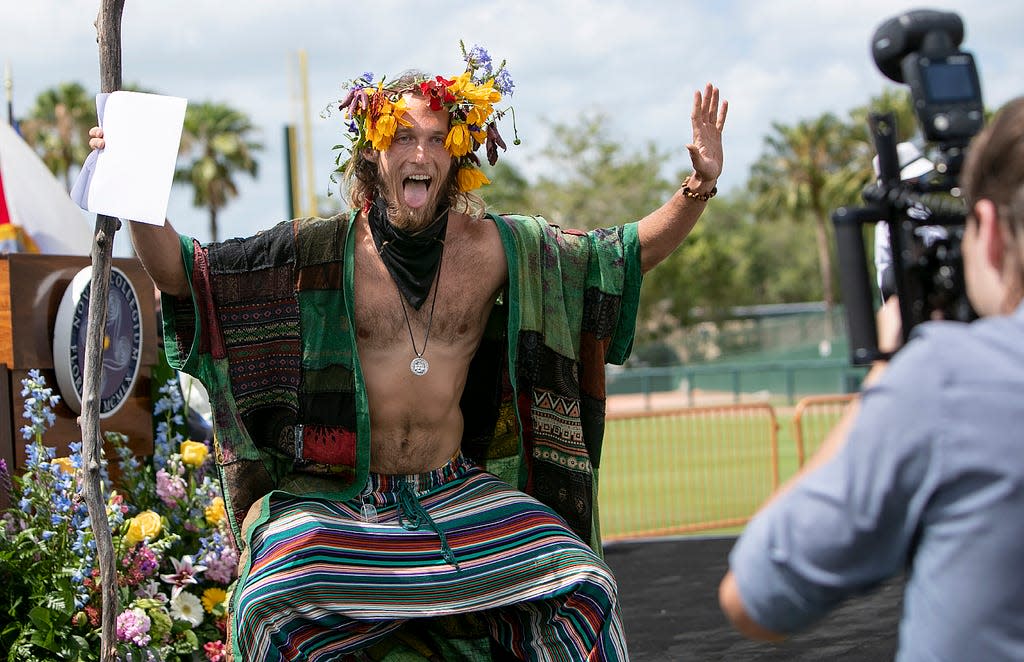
x=924 y=475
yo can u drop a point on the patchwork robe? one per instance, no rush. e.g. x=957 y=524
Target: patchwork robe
x=269 y=330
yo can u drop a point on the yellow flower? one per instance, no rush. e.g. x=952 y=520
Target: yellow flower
x=478 y=95
x=458 y=142
x=215 y=511
x=193 y=453
x=384 y=119
x=144 y=525
x=477 y=115
x=470 y=179
x=213 y=598
x=65 y=464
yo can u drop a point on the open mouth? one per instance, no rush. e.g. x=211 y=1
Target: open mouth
x=415 y=190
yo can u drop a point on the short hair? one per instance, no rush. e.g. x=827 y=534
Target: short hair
x=994 y=166
x=994 y=170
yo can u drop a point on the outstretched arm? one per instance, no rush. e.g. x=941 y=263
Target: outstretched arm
x=664 y=229
x=157 y=246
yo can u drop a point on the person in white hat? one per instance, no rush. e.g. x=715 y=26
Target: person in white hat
x=913 y=166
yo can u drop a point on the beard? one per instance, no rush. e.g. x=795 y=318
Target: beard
x=413 y=206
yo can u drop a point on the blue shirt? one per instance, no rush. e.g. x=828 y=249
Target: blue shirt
x=930 y=482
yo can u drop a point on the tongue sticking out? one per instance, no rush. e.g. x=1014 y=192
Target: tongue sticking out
x=415 y=192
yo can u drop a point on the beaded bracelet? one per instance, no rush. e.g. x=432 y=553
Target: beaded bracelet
x=704 y=197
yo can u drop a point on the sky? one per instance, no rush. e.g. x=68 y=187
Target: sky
x=637 y=62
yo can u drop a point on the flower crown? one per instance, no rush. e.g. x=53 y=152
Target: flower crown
x=375 y=110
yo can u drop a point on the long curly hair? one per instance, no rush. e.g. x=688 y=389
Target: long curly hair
x=361 y=181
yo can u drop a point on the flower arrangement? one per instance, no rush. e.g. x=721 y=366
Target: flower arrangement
x=175 y=558
x=375 y=110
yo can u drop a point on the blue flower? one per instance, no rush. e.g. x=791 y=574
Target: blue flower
x=479 y=59
x=503 y=83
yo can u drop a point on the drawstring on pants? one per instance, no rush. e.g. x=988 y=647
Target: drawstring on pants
x=411 y=515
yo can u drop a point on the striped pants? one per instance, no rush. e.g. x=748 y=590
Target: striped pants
x=328 y=579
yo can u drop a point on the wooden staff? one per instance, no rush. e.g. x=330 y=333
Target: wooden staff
x=108 y=35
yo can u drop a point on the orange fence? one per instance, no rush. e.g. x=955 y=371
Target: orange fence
x=813 y=418
x=686 y=470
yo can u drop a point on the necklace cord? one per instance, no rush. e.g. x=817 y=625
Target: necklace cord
x=433 y=301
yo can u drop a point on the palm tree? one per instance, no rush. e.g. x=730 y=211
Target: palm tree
x=806 y=171
x=216 y=139
x=58 y=128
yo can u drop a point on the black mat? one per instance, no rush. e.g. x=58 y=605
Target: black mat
x=669 y=593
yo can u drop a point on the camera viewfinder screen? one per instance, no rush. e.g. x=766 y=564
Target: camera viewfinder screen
x=945 y=82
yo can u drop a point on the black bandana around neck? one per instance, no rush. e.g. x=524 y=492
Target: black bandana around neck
x=412 y=259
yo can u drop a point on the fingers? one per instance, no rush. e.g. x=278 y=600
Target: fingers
x=706 y=108
x=96 y=138
x=711 y=101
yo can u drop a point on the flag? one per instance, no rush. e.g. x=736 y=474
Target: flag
x=36 y=212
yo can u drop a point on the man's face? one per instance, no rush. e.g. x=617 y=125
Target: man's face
x=414 y=170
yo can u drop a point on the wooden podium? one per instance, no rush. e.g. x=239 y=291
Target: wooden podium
x=31 y=290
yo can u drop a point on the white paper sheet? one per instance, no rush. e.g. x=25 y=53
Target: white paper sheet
x=131 y=176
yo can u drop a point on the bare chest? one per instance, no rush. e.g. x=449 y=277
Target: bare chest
x=455 y=310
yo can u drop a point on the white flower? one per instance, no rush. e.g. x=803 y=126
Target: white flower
x=187 y=607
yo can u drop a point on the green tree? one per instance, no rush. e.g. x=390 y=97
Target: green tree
x=598 y=183
x=892 y=100
x=805 y=172
x=58 y=128
x=697 y=281
x=509 y=190
x=217 y=144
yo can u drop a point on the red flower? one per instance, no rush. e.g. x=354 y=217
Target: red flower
x=437 y=92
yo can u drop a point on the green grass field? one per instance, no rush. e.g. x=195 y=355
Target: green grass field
x=705 y=471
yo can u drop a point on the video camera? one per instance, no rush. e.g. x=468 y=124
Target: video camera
x=919 y=48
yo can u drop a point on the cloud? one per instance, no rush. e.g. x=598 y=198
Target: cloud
x=637 y=62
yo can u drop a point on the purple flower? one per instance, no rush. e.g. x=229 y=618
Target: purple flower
x=221 y=567
x=6 y=487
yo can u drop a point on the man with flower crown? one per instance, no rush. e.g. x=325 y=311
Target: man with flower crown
x=408 y=398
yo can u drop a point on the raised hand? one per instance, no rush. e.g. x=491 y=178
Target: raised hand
x=708 y=119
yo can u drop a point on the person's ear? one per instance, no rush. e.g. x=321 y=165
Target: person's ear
x=990 y=232
x=371 y=154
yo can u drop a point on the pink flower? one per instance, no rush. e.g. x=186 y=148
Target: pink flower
x=215 y=651
x=138 y=564
x=133 y=626
x=184 y=574
x=169 y=488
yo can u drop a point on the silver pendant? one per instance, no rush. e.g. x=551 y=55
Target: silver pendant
x=368 y=513
x=419 y=366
